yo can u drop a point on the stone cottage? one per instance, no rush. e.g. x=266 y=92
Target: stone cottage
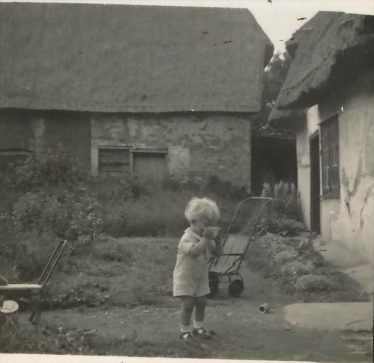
x=157 y=91
x=328 y=98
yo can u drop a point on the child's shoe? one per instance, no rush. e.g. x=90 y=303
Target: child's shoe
x=202 y=333
x=187 y=337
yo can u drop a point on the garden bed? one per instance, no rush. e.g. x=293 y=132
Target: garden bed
x=301 y=271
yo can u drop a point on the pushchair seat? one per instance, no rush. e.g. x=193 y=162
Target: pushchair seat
x=233 y=250
x=20 y=287
x=32 y=291
x=239 y=234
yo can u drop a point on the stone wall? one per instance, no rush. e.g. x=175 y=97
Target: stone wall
x=40 y=131
x=197 y=145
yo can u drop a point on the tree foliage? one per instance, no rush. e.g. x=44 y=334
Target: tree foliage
x=274 y=77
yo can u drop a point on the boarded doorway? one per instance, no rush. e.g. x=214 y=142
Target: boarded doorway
x=150 y=166
x=315 y=214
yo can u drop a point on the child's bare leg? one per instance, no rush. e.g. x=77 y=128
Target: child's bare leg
x=200 y=304
x=187 y=305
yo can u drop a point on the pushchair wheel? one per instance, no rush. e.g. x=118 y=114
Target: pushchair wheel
x=236 y=288
x=213 y=284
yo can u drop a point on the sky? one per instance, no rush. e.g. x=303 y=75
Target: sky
x=278 y=18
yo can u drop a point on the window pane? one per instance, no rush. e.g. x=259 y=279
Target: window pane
x=330 y=157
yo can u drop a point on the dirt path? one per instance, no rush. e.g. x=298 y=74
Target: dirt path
x=242 y=331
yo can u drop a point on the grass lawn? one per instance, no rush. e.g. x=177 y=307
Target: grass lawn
x=117 y=272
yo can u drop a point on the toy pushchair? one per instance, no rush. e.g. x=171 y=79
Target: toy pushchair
x=236 y=241
x=33 y=291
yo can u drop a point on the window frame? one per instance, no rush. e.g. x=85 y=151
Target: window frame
x=15 y=152
x=131 y=150
x=111 y=147
x=330 y=158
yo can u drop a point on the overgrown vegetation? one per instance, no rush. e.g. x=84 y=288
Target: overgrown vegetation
x=43 y=201
x=300 y=270
x=111 y=261
x=50 y=339
x=284 y=214
x=116 y=272
x=52 y=199
x=274 y=77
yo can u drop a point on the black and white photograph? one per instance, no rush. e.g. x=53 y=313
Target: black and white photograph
x=186 y=180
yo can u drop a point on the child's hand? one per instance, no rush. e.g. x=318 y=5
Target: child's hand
x=218 y=246
x=211 y=232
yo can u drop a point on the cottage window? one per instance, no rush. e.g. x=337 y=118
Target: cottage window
x=149 y=164
x=10 y=158
x=330 y=158
x=114 y=160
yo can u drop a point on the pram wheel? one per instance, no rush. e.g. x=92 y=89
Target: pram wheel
x=236 y=288
x=213 y=284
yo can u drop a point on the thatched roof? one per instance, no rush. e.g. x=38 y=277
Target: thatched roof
x=286 y=118
x=120 y=58
x=330 y=50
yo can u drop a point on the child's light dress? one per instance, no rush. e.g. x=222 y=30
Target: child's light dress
x=190 y=276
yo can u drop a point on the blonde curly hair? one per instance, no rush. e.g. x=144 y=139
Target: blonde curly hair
x=201 y=207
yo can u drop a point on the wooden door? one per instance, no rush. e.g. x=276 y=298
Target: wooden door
x=315 y=205
x=150 y=166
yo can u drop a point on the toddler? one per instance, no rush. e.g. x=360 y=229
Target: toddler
x=190 y=276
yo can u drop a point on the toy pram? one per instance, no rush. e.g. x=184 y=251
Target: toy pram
x=33 y=291
x=236 y=241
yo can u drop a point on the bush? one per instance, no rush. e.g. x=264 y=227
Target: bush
x=55 y=169
x=33 y=249
x=47 y=202
x=300 y=270
x=312 y=282
x=297 y=268
x=225 y=189
x=62 y=213
x=285 y=215
x=285 y=199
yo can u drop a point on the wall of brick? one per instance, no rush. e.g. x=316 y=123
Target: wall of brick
x=198 y=145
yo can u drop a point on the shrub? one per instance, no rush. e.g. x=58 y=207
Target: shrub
x=285 y=199
x=47 y=203
x=225 y=189
x=62 y=213
x=55 y=169
x=32 y=250
x=312 y=282
x=285 y=256
x=285 y=215
x=297 y=268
